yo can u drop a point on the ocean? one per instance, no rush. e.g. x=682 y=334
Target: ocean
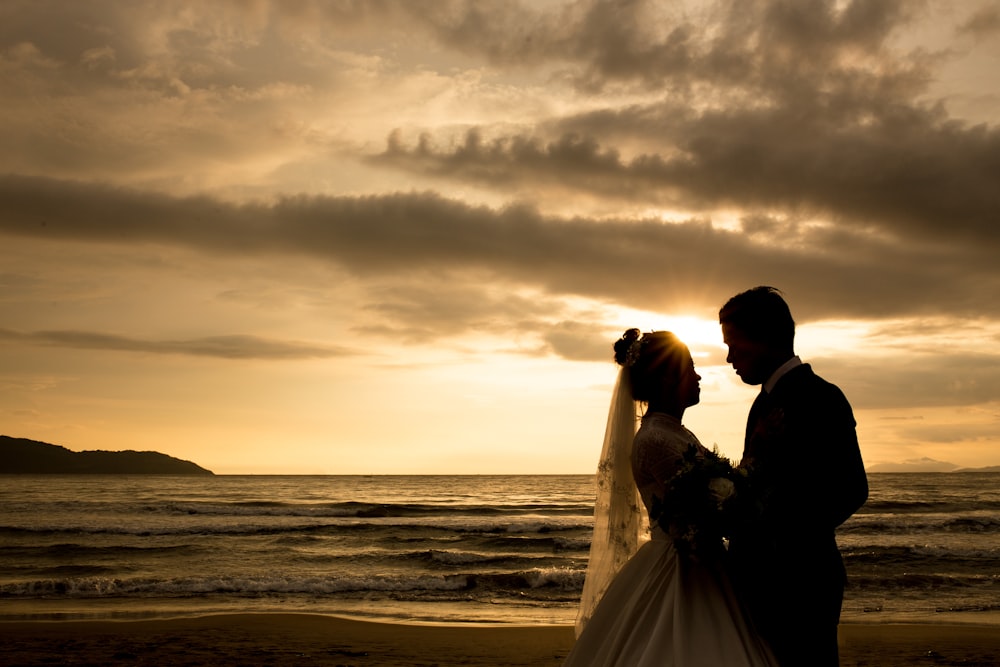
x=427 y=549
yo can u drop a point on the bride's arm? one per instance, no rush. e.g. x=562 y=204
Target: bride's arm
x=654 y=461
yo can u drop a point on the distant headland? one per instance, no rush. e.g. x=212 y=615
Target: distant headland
x=926 y=465
x=30 y=457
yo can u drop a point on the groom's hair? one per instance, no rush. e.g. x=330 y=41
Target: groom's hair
x=760 y=314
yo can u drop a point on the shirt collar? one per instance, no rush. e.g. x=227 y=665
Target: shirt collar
x=782 y=369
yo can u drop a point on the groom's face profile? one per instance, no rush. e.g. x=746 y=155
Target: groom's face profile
x=749 y=358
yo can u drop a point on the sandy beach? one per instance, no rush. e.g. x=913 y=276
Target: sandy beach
x=303 y=639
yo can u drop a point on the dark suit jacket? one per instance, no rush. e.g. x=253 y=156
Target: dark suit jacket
x=805 y=478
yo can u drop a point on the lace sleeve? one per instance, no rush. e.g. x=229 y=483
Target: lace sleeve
x=654 y=461
x=658 y=455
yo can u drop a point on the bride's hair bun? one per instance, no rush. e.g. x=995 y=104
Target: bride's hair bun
x=651 y=359
x=627 y=347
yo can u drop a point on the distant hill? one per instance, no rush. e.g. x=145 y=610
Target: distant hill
x=23 y=456
x=914 y=465
x=926 y=465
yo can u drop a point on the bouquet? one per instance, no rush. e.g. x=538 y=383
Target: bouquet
x=698 y=507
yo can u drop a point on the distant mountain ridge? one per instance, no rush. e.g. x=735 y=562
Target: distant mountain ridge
x=31 y=457
x=926 y=465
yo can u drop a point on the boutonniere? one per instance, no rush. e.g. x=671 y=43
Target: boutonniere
x=771 y=424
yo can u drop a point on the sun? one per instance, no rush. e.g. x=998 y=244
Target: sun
x=701 y=335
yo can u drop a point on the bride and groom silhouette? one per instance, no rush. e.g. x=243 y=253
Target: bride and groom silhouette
x=774 y=596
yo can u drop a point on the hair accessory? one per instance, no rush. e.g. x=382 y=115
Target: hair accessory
x=633 y=353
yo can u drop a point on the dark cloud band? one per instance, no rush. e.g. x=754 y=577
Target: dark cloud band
x=225 y=347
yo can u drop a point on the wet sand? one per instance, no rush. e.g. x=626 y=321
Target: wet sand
x=304 y=639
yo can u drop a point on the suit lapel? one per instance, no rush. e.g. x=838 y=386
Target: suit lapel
x=764 y=404
x=757 y=411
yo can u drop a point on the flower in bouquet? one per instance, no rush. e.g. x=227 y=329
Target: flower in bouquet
x=696 y=505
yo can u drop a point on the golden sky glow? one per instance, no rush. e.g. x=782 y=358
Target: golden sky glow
x=400 y=237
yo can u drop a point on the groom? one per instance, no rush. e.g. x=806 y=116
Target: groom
x=805 y=477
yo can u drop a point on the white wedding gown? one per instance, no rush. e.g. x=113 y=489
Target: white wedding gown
x=661 y=609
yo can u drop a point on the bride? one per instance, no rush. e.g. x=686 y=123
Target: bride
x=668 y=601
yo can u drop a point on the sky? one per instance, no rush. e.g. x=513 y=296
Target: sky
x=302 y=237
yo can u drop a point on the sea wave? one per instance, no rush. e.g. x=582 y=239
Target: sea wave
x=456 y=525
x=957 y=505
x=72 y=550
x=874 y=524
x=506 y=544
x=480 y=583
x=949 y=561
x=363 y=510
x=924 y=582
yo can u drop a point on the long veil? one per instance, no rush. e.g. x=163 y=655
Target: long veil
x=618 y=525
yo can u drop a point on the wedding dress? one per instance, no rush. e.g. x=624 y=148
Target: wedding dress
x=660 y=608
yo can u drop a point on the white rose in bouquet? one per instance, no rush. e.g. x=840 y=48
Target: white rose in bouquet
x=721 y=488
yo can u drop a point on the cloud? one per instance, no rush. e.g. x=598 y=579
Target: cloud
x=808 y=110
x=760 y=44
x=436 y=308
x=983 y=23
x=224 y=347
x=579 y=341
x=773 y=105
x=190 y=170
x=915 y=176
x=831 y=273
x=957 y=378
x=181 y=96
x=950 y=433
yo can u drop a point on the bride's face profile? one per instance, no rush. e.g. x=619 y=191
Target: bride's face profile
x=663 y=375
x=677 y=387
x=688 y=385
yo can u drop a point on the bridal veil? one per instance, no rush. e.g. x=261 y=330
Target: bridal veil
x=618 y=526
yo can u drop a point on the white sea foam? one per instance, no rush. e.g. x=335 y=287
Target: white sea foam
x=518 y=544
